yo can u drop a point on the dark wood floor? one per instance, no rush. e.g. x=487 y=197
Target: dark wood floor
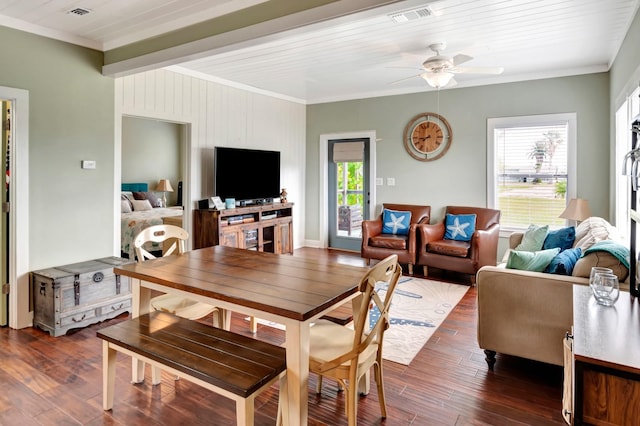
x=58 y=381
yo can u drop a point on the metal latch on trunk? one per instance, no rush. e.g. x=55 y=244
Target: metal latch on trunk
x=76 y=289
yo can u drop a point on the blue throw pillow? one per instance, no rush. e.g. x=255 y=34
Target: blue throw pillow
x=395 y=222
x=459 y=227
x=562 y=238
x=564 y=262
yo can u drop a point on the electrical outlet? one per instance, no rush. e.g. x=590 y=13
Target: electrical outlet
x=391 y=181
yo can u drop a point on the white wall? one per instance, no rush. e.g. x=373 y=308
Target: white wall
x=219 y=115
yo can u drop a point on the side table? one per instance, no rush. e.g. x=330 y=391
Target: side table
x=606 y=354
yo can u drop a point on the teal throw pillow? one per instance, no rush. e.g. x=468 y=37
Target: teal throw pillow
x=459 y=227
x=564 y=262
x=536 y=261
x=533 y=238
x=562 y=238
x=395 y=222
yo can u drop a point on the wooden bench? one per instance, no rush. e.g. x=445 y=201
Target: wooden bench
x=229 y=364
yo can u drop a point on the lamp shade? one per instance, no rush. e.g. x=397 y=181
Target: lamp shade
x=577 y=209
x=164 y=185
x=437 y=79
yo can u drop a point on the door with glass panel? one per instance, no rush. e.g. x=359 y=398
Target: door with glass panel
x=349 y=191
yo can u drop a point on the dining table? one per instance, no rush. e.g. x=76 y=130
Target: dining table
x=290 y=290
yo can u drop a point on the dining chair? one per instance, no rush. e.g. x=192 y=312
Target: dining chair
x=173 y=239
x=346 y=354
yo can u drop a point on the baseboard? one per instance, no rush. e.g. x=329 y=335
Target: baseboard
x=312 y=244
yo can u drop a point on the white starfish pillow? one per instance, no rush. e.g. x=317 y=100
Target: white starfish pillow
x=460 y=227
x=396 y=222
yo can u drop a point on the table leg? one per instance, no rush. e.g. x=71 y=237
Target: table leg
x=297 y=344
x=140 y=301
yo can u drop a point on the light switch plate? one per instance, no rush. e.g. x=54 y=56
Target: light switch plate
x=391 y=181
x=88 y=164
x=379 y=181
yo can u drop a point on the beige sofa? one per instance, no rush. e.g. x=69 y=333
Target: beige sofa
x=527 y=314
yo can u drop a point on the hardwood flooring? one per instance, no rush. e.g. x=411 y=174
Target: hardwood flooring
x=58 y=381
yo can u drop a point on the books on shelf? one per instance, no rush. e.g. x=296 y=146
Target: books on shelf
x=269 y=216
x=233 y=220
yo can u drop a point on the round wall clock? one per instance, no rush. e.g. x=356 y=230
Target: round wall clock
x=427 y=136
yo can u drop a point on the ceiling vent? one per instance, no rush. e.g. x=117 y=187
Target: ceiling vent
x=411 y=15
x=78 y=11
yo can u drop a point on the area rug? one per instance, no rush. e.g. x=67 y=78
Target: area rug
x=418 y=308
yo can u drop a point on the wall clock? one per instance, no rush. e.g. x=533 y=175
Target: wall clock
x=427 y=136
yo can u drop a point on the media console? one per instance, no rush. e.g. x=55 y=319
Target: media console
x=267 y=227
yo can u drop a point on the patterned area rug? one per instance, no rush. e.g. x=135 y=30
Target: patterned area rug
x=418 y=308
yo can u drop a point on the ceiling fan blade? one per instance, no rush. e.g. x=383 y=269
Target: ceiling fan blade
x=461 y=59
x=405 y=79
x=404 y=68
x=477 y=70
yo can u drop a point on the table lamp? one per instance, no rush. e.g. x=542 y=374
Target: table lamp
x=577 y=209
x=164 y=186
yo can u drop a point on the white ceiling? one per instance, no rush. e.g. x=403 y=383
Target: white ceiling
x=360 y=56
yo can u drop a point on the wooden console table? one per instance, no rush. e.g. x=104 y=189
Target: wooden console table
x=606 y=353
x=266 y=228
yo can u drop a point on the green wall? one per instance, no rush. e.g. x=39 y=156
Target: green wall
x=152 y=150
x=71 y=119
x=459 y=178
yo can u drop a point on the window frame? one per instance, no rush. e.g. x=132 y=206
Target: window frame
x=527 y=121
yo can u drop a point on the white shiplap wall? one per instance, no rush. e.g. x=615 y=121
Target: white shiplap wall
x=219 y=115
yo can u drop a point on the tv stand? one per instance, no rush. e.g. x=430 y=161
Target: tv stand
x=266 y=227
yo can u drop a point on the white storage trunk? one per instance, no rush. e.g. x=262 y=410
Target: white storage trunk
x=80 y=294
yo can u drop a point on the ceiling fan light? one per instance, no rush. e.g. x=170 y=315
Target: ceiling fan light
x=437 y=79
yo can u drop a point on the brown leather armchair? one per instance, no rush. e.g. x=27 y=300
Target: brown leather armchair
x=461 y=256
x=376 y=245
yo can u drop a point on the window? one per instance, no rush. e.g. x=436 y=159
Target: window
x=531 y=168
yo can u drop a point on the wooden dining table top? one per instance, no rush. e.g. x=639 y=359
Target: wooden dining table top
x=288 y=286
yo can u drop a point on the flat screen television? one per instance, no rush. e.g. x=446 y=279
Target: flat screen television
x=251 y=176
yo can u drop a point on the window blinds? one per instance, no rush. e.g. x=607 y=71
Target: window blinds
x=531 y=173
x=348 y=152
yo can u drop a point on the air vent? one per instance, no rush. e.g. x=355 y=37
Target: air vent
x=78 y=11
x=411 y=15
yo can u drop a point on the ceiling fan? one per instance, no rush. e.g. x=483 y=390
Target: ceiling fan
x=438 y=70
